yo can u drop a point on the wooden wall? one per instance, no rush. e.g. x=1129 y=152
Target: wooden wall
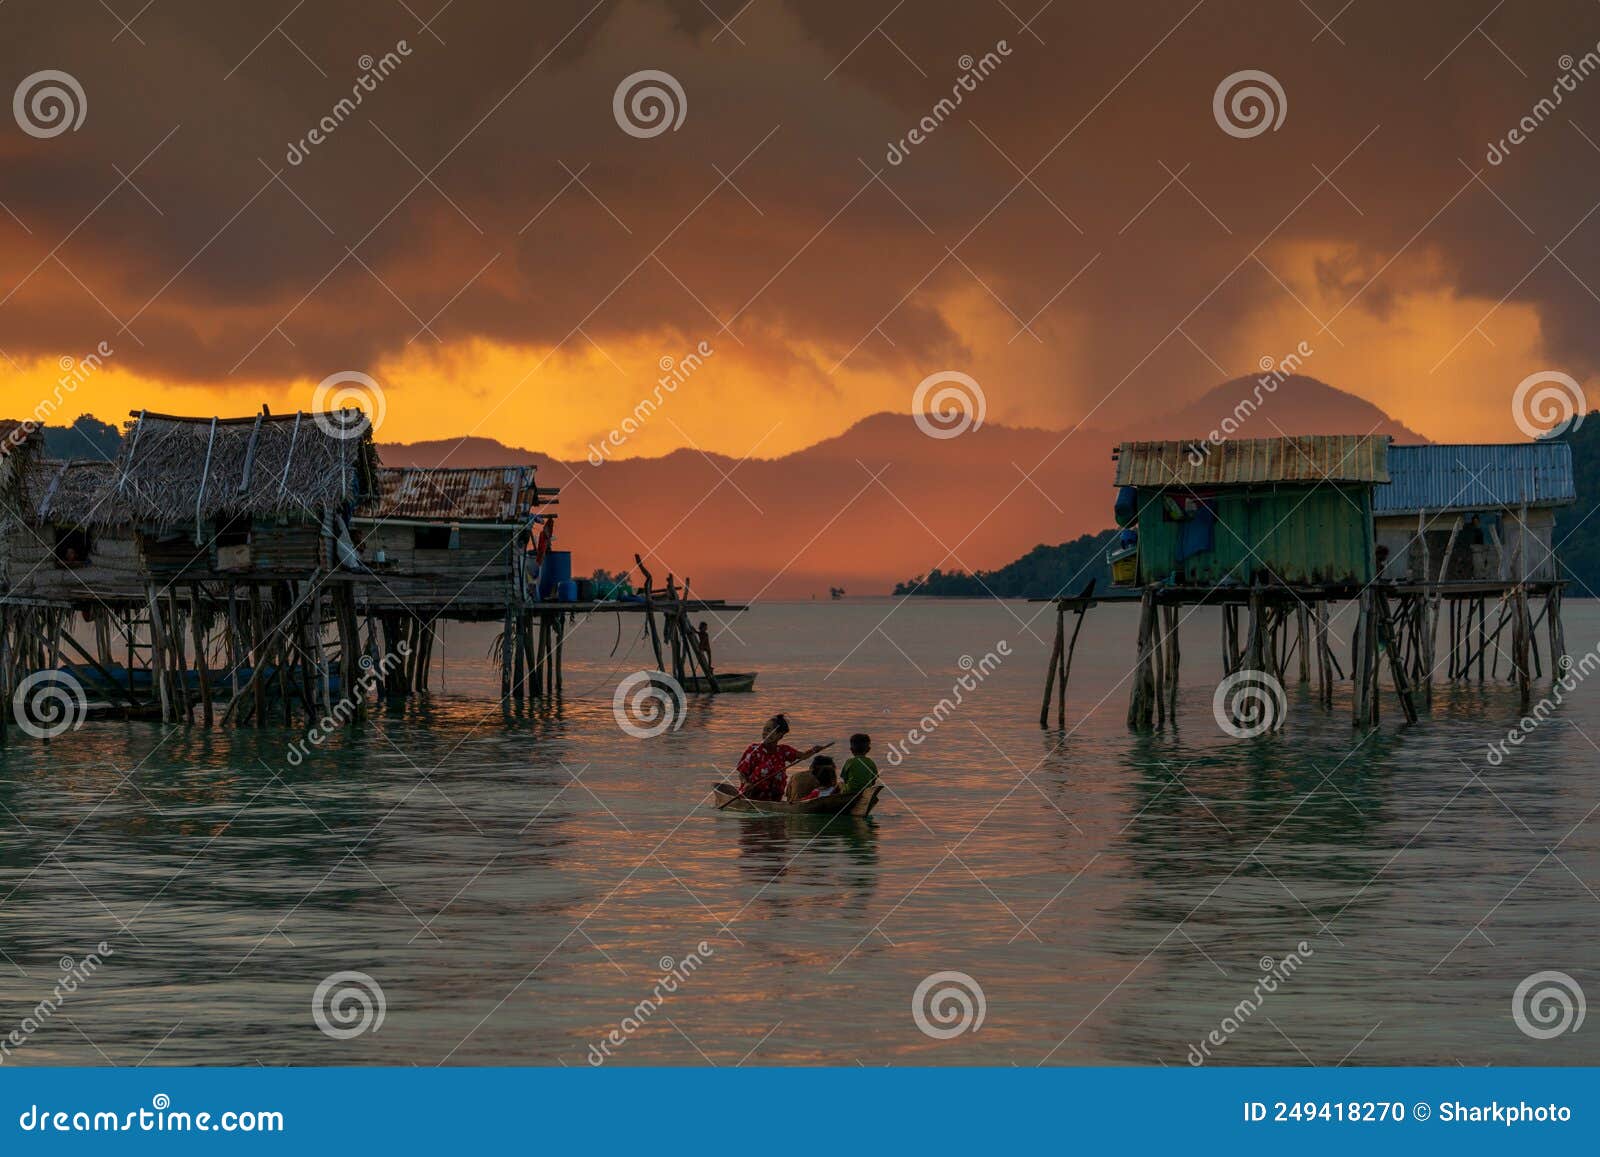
x=112 y=570
x=472 y=574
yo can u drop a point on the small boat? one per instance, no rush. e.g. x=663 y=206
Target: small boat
x=860 y=803
x=731 y=682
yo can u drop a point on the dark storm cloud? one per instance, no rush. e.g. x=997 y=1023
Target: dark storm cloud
x=538 y=215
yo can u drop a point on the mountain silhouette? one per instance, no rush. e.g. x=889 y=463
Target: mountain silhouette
x=880 y=501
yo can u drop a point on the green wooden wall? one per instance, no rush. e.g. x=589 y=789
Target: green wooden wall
x=1298 y=534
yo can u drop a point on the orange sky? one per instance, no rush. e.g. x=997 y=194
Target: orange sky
x=1079 y=235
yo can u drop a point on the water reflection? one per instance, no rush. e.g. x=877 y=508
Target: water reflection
x=513 y=882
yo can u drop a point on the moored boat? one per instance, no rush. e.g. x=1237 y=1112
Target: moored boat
x=732 y=682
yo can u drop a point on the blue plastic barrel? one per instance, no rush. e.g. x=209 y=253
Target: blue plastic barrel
x=567 y=591
x=557 y=570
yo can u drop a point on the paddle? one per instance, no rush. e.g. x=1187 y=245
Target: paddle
x=740 y=793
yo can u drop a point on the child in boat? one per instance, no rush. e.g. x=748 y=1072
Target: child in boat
x=802 y=783
x=859 y=770
x=827 y=777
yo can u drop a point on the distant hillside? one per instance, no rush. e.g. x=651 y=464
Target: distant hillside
x=1577 y=533
x=1044 y=572
x=880 y=500
x=871 y=505
x=88 y=437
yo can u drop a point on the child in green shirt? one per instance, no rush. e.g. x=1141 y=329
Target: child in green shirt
x=859 y=771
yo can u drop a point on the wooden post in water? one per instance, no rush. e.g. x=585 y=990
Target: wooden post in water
x=1359 y=714
x=1054 y=666
x=1391 y=646
x=1173 y=660
x=1158 y=666
x=158 y=666
x=1303 y=630
x=1140 y=703
x=200 y=653
x=1558 y=644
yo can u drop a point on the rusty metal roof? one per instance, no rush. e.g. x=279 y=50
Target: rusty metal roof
x=1250 y=461
x=497 y=494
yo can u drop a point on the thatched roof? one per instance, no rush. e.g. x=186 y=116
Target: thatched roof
x=21 y=442
x=71 y=493
x=483 y=494
x=172 y=470
x=19 y=434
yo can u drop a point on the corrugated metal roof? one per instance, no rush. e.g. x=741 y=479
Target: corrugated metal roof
x=1244 y=461
x=501 y=494
x=1476 y=477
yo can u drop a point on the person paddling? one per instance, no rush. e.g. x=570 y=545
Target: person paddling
x=764 y=766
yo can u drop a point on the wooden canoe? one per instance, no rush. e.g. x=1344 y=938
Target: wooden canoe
x=727 y=798
x=734 y=681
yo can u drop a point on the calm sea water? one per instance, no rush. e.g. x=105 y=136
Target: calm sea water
x=516 y=888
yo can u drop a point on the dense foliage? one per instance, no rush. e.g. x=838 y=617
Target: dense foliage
x=1044 y=572
x=87 y=437
x=1577 y=535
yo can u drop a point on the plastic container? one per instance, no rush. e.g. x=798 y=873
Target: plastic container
x=567 y=591
x=557 y=570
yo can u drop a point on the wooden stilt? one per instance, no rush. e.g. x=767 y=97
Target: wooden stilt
x=1054 y=664
x=1140 y=701
x=200 y=654
x=1174 y=658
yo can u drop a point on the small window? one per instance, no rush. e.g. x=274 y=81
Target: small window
x=234 y=532
x=436 y=538
x=72 y=547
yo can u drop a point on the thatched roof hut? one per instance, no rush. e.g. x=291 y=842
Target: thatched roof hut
x=21 y=442
x=174 y=471
x=68 y=493
x=60 y=548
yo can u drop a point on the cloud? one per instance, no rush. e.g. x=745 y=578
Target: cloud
x=1078 y=233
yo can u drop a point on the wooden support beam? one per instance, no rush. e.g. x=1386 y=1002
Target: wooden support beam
x=200 y=653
